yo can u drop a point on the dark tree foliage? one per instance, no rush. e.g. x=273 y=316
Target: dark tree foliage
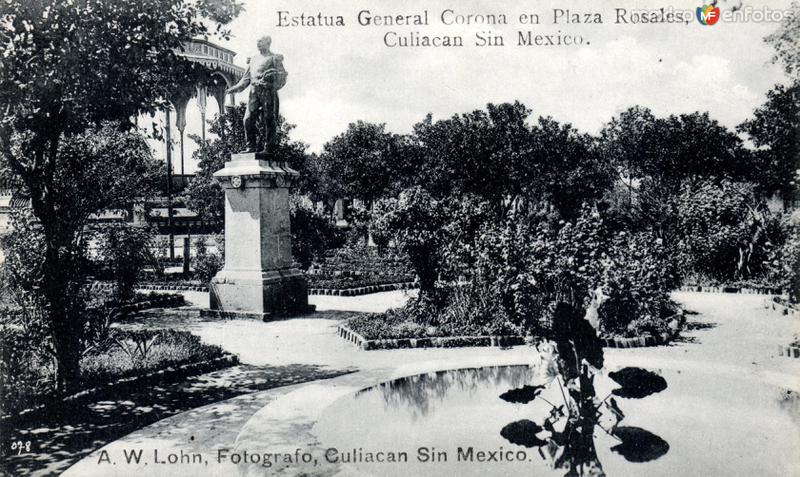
x=496 y=155
x=674 y=149
x=775 y=130
x=655 y=157
x=416 y=221
x=486 y=153
x=571 y=172
x=362 y=162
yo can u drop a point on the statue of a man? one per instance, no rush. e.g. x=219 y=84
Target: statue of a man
x=265 y=75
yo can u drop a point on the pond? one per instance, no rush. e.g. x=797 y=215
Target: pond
x=542 y=420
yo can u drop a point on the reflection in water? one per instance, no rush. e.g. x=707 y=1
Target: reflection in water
x=559 y=391
x=638 y=445
x=523 y=395
x=637 y=383
x=578 y=358
x=422 y=393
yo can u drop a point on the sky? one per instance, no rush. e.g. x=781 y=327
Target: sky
x=339 y=75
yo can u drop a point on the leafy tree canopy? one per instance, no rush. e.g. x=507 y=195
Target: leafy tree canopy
x=361 y=162
x=775 y=130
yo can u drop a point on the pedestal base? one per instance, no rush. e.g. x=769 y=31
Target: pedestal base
x=262 y=295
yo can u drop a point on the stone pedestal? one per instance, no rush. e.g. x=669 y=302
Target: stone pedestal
x=258 y=279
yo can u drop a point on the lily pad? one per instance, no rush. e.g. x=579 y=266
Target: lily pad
x=637 y=383
x=522 y=395
x=638 y=445
x=523 y=433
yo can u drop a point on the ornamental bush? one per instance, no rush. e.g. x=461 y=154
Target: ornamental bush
x=725 y=232
x=416 y=222
x=313 y=234
x=527 y=267
x=206 y=264
x=123 y=252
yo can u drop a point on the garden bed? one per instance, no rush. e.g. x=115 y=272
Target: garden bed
x=153 y=300
x=484 y=340
x=125 y=358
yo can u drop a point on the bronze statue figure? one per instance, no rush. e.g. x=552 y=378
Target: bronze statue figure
x=265 y=75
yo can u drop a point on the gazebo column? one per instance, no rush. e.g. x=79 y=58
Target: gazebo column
x=219 y=94
x=180 y=102
x=202 y=92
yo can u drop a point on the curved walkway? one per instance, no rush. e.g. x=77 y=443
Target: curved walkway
x=732 y=337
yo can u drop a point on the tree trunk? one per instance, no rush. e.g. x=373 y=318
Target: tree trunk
x=427 y=274
x=66 y=339
x=66 y=326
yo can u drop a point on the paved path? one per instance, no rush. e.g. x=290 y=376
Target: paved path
x=731 y=339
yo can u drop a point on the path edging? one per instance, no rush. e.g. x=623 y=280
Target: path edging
x=723 y=289
x=487 y=340
x=778 y=306
x=356 y=291
x=154 y=287
x=164 y=301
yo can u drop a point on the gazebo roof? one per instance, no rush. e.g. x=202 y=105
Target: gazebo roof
x=214 y=57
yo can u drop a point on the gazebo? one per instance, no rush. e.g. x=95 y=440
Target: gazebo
x=219 y=72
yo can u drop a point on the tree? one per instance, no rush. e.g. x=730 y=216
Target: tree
x=485 y=153
x=654 y=157
x=67 y=68
x=494 y=154
x=46 y=254
x=361 y=161
x=774 y=130
x=785 y=41
x=571 y=171
x=124 y=251
x=416 y=221
x=673 y=149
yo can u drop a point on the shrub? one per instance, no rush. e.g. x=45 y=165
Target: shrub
x=132 y=352
x=123 y=251
x=313 y=234
x=528 y=268
x=206 y=264
x=637 y=279
x=26 y=370
x=416 y=223
x=414 y=321
x=727 y=234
